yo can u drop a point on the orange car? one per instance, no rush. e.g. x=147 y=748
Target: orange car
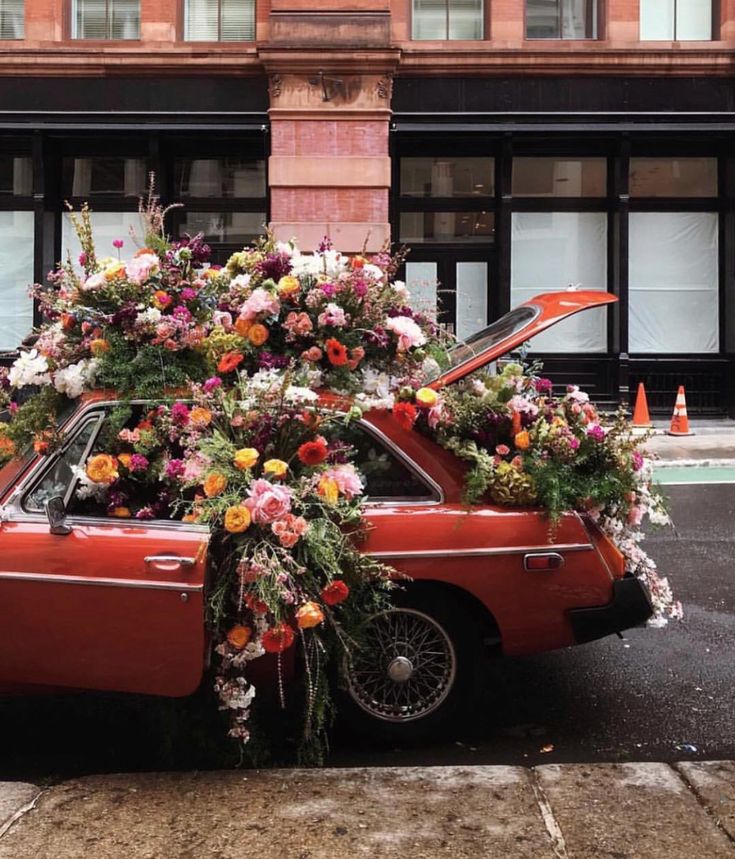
x=96 y=603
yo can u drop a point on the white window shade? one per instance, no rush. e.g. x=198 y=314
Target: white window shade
x=673 y=282
x=107 y=227
x=683 y=20
x=219 y=20
x=471 y=298
x=105 y=19
x=550 y=251
x=12 y=13
x=421 y=282
x=16 y=266
x=657 y=19
x=447 y=19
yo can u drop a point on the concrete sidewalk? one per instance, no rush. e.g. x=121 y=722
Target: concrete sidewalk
x=571 y=811
x=713 y=443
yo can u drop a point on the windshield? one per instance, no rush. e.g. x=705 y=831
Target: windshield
x=506 y=326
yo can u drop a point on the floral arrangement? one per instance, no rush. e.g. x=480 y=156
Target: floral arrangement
x=525 y=446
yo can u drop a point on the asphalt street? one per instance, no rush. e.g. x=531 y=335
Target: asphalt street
x=656 y=695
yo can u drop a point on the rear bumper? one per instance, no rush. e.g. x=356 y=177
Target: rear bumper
x=630 y=606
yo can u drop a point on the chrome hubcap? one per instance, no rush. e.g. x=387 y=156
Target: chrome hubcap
x=404 y=668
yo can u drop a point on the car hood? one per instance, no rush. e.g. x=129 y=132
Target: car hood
x=520 y=324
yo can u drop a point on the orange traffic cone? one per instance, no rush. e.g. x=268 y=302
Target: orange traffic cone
x=679 y=420
x=641 y=418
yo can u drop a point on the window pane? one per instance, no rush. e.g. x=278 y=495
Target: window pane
x=657 y=18
x=238 y=20
x=125 y=19
x=559 y=177
x=220 y=177
x=96 y=177
x=551 y=251
x=201 y=23
x=16 y=276
x=11 y=19
x=465 y=19
x=543 y=19
x=673 y=177
x=417 y=227
x=108 y=226
x=673 y=282
x=236 y=227
x=422 y=283
x=430 y=19
x=16 y=177
x=89 y=19
x=471 y=298
x=694 y=19
x=447 y=177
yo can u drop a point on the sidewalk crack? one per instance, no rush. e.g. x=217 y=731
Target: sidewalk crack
x=550 y=822
x=704 y=804
x=21 y=812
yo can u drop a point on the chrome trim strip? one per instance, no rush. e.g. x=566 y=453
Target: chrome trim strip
x=135 y=584
x=170 y=559
x=482 y=552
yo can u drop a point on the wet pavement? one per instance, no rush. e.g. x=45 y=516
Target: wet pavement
x=657 y=695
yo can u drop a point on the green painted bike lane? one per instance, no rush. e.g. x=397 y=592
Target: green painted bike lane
x=678 y=475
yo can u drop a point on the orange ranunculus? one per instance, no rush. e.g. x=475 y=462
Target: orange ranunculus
x=7 y=447
x=102 y=468
x=242 y=326
x=258 y=334
x=309 y=615
x=246 y=458
x=427 y=397
x=237 y=519
x=40 y=446
x=161 y=299
x=288 y=285
x=275 y=467
x=125 y=459
x=239 y=636
x=200 y=417
x=522 y=440
x=357 y=262
x=144 y=252
x=329 y=490
x=99 y=347
x=229 y=361
x=313 y=452
x=68 y=321
x=192 y=517
x=336 y=352
x=115 y=270
x=120 y=512
x=516 y=422
x=214 y=484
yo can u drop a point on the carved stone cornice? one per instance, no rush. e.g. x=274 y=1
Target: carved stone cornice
x=298 y=96
x=282 y=61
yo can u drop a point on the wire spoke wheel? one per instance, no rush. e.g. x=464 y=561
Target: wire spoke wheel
x=405 y=667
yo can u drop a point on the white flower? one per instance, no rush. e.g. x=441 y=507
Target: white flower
x=375 y=382
x=88 y=488
x=373 y=270
x=285 y=248
x=30 y=368
x=240 y=280
x=407 y=331
x=401 y=291
x=94 y=281
x=152 y=316
x=296 y=394
x=72 y=380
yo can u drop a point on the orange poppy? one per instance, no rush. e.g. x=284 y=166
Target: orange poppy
x=336 y=352
x=229 y=361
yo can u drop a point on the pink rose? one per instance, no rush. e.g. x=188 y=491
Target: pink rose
x=407 y=331
x=268 y=502
x=140 y=268
x=259 y=302
x=347 y=479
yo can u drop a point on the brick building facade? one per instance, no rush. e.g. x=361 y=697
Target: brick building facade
x=516 y=145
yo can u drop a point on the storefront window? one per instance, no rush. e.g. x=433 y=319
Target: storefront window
x=220 y=177
x=552 y=251
x=104 y=177
x=224 y=227
x=105 y=19
x=673 y=282
x=16 y=265
x=559 y=177
x=447 y=19
x=447 y=177
x=16 y=177
x=108 y=227
x=219 y=20
x=676 y=20
x=12 y=14
x=561 y=19
x=673 y=177
x=422 y=227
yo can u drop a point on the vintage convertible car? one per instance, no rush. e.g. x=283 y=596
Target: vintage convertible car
x=89 y=602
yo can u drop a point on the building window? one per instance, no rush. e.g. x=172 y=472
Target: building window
x=682 y=20
x=448 y=19
x=447 y=177
x=11 y=19
x=559 y=177
x=552 y=251
x=219 y=20
x=105 y=19
x=561 y=19
x=16 y=266
x=104 y=176
x=108 y=227
x=673 y=177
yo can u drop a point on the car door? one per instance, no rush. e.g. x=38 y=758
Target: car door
x=113 y=604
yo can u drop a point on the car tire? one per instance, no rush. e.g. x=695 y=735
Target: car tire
x=417 y=672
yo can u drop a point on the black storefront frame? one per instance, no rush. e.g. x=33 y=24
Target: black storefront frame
x=616 y=373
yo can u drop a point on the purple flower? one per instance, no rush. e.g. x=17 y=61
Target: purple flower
x=145 y=513
x=378 y=337
x=596 y=432
x=180 y=413
x=188 y=294
x=275 y=266
x=269 y=361
x=360 y=288
x=543 y=386
x=325 y=245
x=637 y=460
x=182 y=313
x=175 y=468
x=329 y=289
x=82 y=259
x=211 y=384
x=574 y=443
x=138 y=462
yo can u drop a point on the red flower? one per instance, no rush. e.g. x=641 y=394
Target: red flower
x=278 y=639
x=405 y=414
x=313 y=452
x=255 y=605
x=336 y=352
x=229 y=361
x=335 y=593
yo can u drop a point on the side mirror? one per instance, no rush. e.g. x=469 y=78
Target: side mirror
x=56 y=515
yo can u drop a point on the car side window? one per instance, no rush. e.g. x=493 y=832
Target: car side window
x=387 y=475
x=60 y=476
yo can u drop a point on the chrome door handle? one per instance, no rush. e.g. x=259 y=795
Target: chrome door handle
x=540 y=561
x=170 y=559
